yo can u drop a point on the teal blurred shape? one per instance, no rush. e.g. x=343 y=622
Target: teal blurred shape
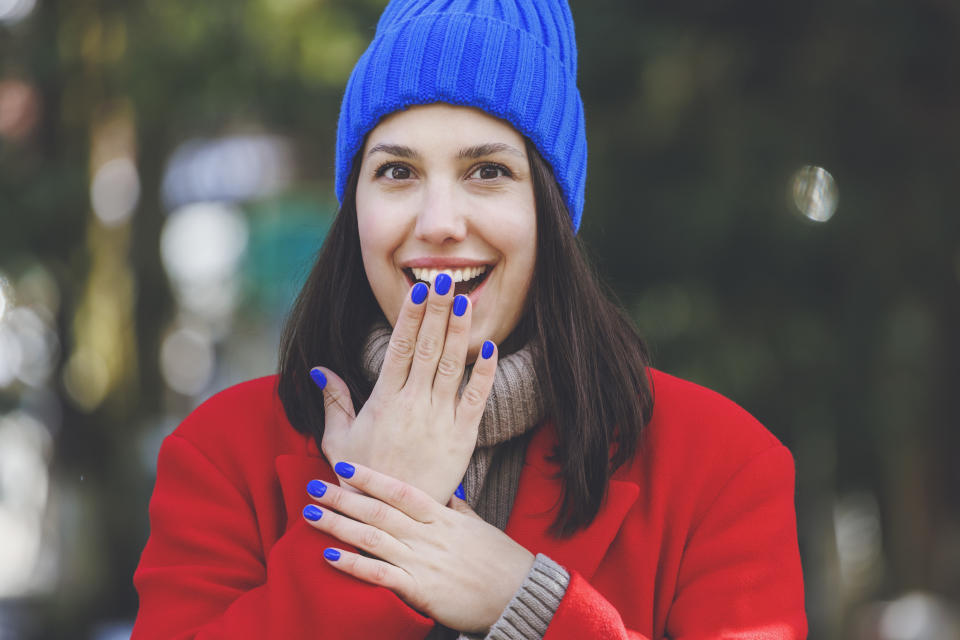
x=286 y=232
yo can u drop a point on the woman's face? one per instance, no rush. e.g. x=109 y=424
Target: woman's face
x=449 y=187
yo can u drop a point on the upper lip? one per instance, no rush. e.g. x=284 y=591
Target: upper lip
x=441 y=262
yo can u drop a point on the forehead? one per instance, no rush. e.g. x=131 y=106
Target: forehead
x=442 y=124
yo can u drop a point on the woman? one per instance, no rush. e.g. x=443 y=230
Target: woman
x=327 y=501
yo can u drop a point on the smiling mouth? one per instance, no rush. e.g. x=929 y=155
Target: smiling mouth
x=469 y=279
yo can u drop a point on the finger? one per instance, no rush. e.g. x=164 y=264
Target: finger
x=408 y=499
x=372 y=570
x=403 y=340
x=433 y=331
x=360 y=535
x=360 y=507
x=337 y=404
x=473 y=400
x=455 y=346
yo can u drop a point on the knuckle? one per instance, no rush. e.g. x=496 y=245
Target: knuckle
x=458 y=326
x=372 y=539
x=336 y=498
x=438 y=306
x=427 y=347
x=449 y=366
x=379 y=513
x=401 y=346
x=380 y=573
x=400 y=493
x=474 y=396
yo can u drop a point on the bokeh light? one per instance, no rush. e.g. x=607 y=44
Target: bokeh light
x=28 y=347
x=856 y=519
x=229 y=169
x=187 y=360
x=201 y=246
x=25 y=448
x=115 y=191
x=814 y=193
x=86 y=378
x=6 y=296
x=19 y=108
x=13 y=11
x=37 y=288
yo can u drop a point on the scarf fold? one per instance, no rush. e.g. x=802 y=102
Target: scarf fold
x=513 y=409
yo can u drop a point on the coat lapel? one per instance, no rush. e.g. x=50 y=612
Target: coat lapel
x=294 y=472
x=537 y=504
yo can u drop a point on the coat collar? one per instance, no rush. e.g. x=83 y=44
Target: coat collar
x=534 y=509
x=538 y=503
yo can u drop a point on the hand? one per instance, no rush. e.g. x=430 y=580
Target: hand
x=444 y=561
x=413 y=426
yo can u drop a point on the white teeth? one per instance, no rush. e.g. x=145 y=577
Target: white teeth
x=458 y=275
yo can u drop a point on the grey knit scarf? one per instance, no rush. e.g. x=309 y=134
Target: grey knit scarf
x=513 y=409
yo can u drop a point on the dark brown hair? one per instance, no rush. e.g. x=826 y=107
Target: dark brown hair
x=592 y=362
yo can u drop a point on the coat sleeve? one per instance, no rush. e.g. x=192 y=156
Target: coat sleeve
x=203 y=573
x=740 y=575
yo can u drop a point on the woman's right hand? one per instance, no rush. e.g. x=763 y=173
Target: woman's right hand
x=414 y=427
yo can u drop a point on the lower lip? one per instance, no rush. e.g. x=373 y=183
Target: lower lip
x=473 y=295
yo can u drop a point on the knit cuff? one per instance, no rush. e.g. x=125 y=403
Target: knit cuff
x=530 y=611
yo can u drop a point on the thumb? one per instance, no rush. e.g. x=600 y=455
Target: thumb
x=336 y=398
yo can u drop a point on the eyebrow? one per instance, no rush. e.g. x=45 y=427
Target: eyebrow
x=394 y=150
x=489 y=149
x=476 y=151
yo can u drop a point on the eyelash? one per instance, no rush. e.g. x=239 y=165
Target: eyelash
x=383 y=168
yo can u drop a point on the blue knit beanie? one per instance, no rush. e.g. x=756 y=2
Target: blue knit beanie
x=514 y=59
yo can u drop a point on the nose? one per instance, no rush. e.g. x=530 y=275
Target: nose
x=442 y=214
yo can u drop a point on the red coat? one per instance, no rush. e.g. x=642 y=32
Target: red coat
x=696 y=539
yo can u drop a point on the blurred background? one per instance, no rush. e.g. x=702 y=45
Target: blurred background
x=768 y=194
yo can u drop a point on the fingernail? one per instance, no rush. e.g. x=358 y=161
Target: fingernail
x=319 y=378
x=312 y=512
x=331 y=554
x=460 y=305
x=316 y=488
x=487 y=350
x=344 y=469
x=460 y=493
x=442 y=284
x=419 y=292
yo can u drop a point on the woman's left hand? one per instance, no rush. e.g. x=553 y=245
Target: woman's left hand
x=444 y=561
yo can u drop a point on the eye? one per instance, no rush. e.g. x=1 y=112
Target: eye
x=394 y=171
x=490 y=172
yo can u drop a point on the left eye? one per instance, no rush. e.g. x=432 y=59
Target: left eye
x=489 y=172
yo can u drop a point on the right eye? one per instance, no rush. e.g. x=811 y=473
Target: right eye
x=394 y=171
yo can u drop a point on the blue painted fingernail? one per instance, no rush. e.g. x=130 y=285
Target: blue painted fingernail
x=318 y=378
x=312 y=512
x=316 y=488
x=460 y=493
x=344 y=469
x=331 y=554
x=442 y=284
x=460 y=305
x=419 y=292
x=487 y=349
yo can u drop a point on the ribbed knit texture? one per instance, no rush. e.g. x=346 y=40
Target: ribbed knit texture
x=515 y=59
x=530 y=611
